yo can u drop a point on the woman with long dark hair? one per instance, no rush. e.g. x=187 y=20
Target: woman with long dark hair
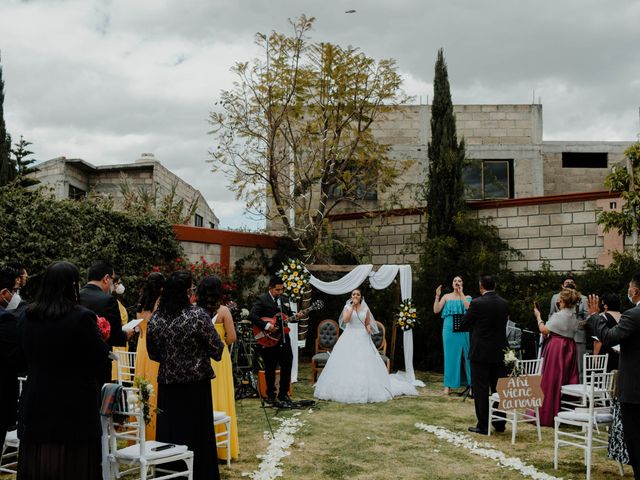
x=182 y=338
x=66 y=358
x=145 y=367
x=210 y=295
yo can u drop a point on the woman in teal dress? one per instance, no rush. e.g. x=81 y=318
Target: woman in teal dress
x=457 y=372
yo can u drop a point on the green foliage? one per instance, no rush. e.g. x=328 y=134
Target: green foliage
x=7 y=165
x=37 y=229
x=624 y=179
x=445 y=189
x=296 y=128
x=472 y=248
x=145 y=201
x=23 y=164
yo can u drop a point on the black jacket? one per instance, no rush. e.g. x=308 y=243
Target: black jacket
x=627 y=334
x=487 y=319
x=11 y=364
x=66 y=358
x=264 y=306
x=104 y=305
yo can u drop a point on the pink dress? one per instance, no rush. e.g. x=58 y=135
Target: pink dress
x=560 y=367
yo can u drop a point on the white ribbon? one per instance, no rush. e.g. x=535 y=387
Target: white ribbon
x=346 y=284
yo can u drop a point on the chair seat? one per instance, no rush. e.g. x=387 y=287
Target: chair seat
x=385 y=359
x=220 y=417
x=320 y=359
x=577 y=416
x=12 y=440
x=133 y=452
x=580 y=390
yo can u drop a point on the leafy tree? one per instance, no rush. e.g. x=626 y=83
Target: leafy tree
x=294 y=133
x=7 y=167
x=625 y=179
x=24 y=164
x=445 y=189
x=38 y=229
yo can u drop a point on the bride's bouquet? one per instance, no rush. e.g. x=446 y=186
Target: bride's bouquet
x=407 y=318
x=295 y=278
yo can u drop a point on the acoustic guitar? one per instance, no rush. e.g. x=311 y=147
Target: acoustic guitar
x=272 y=337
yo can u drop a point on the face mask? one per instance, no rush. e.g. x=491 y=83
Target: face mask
x=120 y=289
x=15 y=301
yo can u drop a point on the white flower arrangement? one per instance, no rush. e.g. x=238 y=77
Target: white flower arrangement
x=146 y=391
x=486 y=450
x=407 y=317
x=295 y=278
x=271 y=462
x=511 y=361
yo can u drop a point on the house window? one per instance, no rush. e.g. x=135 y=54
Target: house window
x=584 y=160
x=76 y=193
x=199 y=221
x=212 y=225
x=488 y=179
x=361 y=193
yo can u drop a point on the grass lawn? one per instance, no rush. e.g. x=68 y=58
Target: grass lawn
x=380 y=441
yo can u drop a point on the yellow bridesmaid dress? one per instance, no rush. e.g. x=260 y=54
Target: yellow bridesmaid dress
x=223 y=394
x=147 y=368
x=124 y=318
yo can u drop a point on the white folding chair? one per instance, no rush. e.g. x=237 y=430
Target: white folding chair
x=142 y=455
x=577 y=393
x=9 y=454
x=223 y=438
x=590 y=436
x=126 y=366
x=525 y=367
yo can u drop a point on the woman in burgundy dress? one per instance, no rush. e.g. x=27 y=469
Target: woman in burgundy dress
x=560 y=365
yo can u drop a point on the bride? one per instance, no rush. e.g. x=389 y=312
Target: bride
x=355 y=372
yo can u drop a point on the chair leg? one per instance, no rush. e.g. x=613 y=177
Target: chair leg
x=621 y=467
x=189 y=462
x=514 y=427
x=555 y=445
x=490 y=417
x=229 y=443
x=537 y=413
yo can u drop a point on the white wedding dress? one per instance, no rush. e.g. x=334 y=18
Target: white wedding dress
x=355 y=372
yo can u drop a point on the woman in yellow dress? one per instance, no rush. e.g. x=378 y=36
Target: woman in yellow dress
x=145 y=367
x=210 y=298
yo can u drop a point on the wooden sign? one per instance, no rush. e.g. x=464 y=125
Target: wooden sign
x=520 y=392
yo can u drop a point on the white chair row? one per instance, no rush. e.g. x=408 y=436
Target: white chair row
x=576 y=395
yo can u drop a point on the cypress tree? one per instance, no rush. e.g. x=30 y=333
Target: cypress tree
x=445 y=190
x=7 y=168
x=24 y=166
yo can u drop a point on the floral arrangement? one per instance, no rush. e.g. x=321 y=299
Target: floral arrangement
x=511 y=361
x=407 y=318
x=105 y=328
x=295 y=277
x=145 y=391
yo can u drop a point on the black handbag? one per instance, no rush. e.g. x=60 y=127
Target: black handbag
x=457 y=323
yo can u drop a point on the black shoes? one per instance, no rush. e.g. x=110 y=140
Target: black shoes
x=478 y=430
x=285 y=402
x=271 y=399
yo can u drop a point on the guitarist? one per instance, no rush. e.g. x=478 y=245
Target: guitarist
x=268 y=305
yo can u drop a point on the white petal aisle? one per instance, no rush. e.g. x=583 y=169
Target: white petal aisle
x=271 y=462
x=486 y=450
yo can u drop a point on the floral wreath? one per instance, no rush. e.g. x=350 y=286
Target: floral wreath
x=295 y=278
x=407 y=318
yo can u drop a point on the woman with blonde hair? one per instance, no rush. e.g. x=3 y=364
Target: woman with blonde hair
x=560 y=353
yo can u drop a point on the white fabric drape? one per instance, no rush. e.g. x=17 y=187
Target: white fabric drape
x=379 y=280
x=293 y=342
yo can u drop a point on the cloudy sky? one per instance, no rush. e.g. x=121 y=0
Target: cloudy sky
x=106 y=80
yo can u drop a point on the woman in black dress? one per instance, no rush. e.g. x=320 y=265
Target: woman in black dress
x=58 y=419
x=182 y=338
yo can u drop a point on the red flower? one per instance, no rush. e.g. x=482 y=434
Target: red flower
x=155 y=269
x=105 y=327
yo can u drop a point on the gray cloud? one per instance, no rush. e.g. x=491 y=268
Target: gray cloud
x=106 y=80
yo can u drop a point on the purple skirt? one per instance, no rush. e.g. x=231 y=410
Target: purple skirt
x=560 y=367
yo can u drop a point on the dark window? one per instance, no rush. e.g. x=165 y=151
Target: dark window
x=584 y=160
x=361 y=193
x=199 y=221
x=76 y=193
x=488 y=179
x=212 y=225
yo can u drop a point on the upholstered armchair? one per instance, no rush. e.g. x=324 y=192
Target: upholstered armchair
x=326 y=337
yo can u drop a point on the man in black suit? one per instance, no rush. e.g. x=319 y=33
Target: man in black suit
x=268 y=305
x=487 y=319
x=97 y=296
x=626 y=334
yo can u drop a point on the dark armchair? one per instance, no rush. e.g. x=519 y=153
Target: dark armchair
x=326 y=337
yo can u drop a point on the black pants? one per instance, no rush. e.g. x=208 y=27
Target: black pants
x=283 y=355
x=631 y=427
x=484 y=378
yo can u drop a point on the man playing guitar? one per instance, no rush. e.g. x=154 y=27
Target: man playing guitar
x=270 y=304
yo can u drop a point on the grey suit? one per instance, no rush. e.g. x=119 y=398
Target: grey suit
x=627 y=334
